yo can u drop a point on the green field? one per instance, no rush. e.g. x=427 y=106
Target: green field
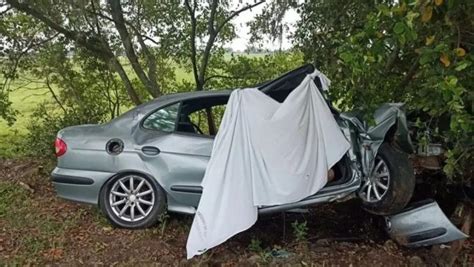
x=25 y=96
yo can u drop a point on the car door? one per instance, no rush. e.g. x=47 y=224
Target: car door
x=177 y=155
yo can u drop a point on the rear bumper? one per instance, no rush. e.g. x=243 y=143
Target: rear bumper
x=79 y=185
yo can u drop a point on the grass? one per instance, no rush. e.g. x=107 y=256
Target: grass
x=25 y=97
x=16 y=214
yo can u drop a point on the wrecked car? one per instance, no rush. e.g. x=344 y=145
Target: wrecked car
x=152 y=158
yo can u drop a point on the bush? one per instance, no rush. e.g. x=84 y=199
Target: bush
x=416 y=52
x=45 y=124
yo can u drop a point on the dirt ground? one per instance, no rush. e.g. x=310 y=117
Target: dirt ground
x=36 y=227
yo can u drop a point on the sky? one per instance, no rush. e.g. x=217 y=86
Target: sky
x=240 y=43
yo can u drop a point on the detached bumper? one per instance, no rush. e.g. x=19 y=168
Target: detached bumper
x=79 y=185
x=422 y=224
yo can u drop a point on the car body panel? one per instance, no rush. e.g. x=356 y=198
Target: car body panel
x=181 y=162
x=388 y=116
x=422 y=224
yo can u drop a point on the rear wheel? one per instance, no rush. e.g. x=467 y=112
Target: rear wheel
x=132 y=201
x=389 y=187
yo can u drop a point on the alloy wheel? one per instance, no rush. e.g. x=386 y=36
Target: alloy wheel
x=132 y=198
x=378 y=182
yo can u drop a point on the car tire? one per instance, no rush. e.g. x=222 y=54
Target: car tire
x=148 y=201
x=400 y=182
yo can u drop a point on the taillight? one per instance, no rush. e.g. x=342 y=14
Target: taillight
x=60 y=147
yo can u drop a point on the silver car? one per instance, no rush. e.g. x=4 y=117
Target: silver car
x=152 y=158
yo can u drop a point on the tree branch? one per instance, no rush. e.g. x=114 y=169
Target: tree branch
x=78 y=37
x=98 y=46
x=55 y=97
x=192 y=15
x=117 y=15
x=151 y=60
x=127 y=23
x=236 y=13
x=212 y=17
x=410 y=74
x=213 y=33
x=115 y=65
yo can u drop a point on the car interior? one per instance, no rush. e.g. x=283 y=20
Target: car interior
x=202 y=116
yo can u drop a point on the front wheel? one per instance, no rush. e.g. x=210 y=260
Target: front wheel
x=389 y=187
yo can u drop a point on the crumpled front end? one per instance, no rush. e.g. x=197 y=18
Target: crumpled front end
x=422 y=224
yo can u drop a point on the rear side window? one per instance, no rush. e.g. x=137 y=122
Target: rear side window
x=163 y=119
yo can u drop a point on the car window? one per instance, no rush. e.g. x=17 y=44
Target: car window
x=163 y=119
x=208 y=119
x=204 y=121
x=218 y=112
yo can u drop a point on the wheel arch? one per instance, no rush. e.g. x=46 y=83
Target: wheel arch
x=391 y=125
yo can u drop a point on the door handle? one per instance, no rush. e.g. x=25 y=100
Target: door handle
x=150 y=150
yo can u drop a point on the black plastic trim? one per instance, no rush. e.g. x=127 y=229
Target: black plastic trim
x=66 y=179
x=428 y=234
x=187 y=189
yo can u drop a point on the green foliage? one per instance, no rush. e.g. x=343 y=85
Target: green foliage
x=17 y=35
x=300 y=230
x=89 y=94
x=266 y=254
x=255 y=245
x=244 y=71
x=163 y=219
x=417 y=52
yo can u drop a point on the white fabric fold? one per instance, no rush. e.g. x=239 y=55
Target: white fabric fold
x=265 y=153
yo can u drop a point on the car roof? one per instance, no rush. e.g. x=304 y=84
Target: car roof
x=296 y=75
x=265 y=86
x=175 y=97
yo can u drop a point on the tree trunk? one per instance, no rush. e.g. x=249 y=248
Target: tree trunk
x=115 y=65
x=119 y=21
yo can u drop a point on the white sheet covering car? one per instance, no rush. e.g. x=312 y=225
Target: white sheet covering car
x=265 y=153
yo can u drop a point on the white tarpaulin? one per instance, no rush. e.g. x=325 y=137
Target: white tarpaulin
x=265 y=153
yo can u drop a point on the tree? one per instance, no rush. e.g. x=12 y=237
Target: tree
x=216 y=19
x=81 y=24
x=417 y=52
x=107 y=29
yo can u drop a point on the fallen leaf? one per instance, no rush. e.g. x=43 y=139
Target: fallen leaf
x=107 y=229
x=438 y=2
x=430 y=40
x=54 y=254
x=427 y=13
x=445 y=60
x=460 y=52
